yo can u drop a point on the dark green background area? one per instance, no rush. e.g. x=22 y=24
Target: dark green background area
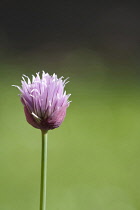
x=93 y=158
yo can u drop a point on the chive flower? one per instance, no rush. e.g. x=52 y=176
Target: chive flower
x=45 y=102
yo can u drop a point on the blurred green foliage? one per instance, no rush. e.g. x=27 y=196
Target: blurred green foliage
x=93 y=158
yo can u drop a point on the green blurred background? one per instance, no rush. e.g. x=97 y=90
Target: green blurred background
x=93 y=158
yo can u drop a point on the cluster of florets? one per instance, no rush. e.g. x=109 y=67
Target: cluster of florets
x=44 y=100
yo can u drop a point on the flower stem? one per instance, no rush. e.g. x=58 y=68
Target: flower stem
x=43 y=171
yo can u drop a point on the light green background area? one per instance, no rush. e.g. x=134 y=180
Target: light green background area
x=93 y=158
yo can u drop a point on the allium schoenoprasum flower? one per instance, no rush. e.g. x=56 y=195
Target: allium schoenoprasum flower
x=45 y=102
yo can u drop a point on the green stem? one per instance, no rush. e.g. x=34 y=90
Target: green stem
x=43 y=171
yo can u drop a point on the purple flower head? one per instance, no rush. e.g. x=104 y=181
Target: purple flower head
x=44 y=100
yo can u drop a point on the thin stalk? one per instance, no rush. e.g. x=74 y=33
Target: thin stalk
x=43 y=171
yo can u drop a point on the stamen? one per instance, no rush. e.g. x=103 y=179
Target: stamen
x=38 y=118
